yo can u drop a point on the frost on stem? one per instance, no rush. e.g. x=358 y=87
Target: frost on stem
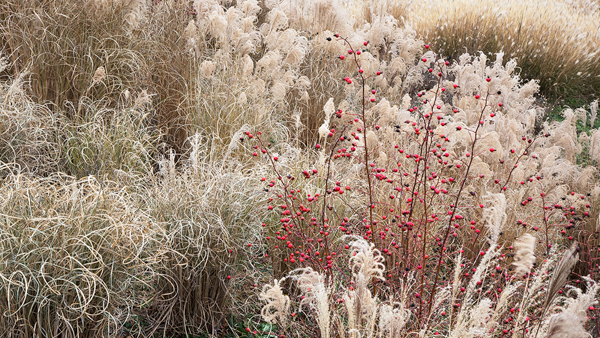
x=278 y=304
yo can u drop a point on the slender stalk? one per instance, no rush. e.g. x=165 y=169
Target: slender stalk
x=457 y=199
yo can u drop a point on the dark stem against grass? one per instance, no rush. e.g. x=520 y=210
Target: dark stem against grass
x=427 y=141
x=448 y=227
x=365 y=127
x=524 y=153
x=329 y=161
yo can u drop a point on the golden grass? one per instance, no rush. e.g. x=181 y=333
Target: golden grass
x=554 y=42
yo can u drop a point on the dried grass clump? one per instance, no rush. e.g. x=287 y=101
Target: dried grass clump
x=364 y=313
x=558 y=50
x=207 y=213
x=27 y=130
x=101 y=142
x=136 y=44
x=76 y=257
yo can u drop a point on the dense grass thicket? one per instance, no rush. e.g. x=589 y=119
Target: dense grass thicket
x=322 y=168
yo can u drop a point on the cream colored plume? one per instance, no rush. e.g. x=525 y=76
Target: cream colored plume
x=571 y=322
x=329 y=109
x=99 y=75
x=316 y=296
x=278 y=304
x=207 y=68
x=524 y=254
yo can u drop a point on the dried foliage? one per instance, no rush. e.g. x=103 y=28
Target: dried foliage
x=558 y=50
x=176 y=168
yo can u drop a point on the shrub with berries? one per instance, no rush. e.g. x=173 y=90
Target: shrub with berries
x=433 y=193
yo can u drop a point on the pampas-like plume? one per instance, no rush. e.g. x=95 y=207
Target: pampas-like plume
x=524 y=256
x=278 y=304
x=366 y=260
x=3 y=62
x=207 y=68
x=142 y=100
x=567 y=325
x=473 y=324
x=278 y=91
x=99 y=75
x=570 y=323
x=134 y=11
x=329 y=109
x=190 y=34
x=562 y=272
x=247 y=66
x=392 y=320
x=595 y=146
x=316 y=296
x=367 y=264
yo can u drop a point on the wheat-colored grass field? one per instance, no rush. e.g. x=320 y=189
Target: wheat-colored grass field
x=287 y=168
